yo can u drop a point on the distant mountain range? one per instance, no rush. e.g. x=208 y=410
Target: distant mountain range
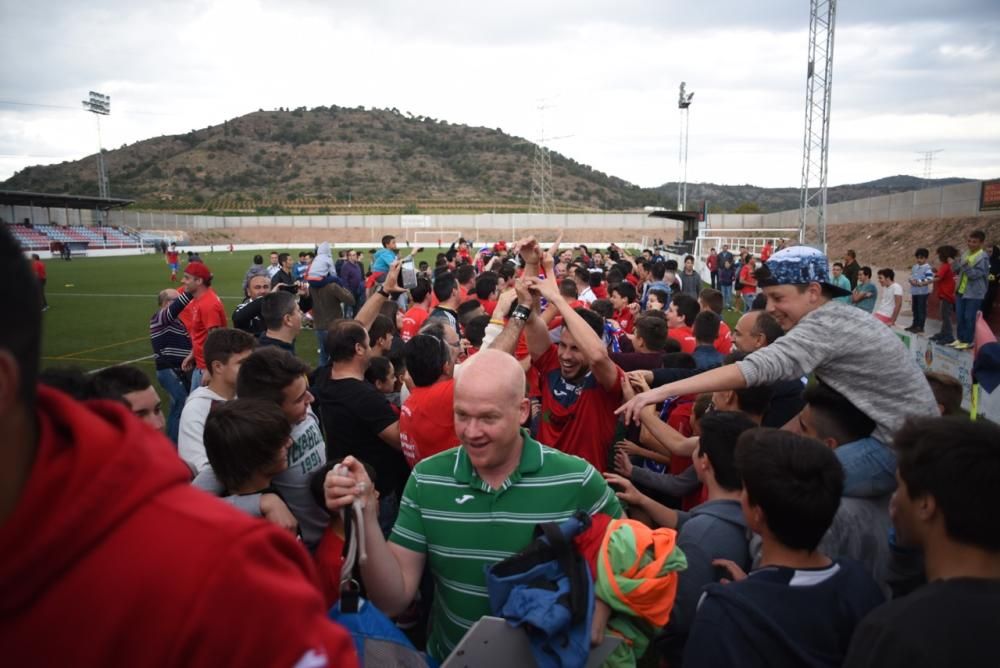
x=326 y=158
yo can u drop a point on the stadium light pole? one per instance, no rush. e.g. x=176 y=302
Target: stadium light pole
x=683 y=104
x=100 y=105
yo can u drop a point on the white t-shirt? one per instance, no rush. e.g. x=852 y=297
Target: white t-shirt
x=190 y=445
x=886 y=302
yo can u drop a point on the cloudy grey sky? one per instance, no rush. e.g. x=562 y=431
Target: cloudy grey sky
x=908 y=77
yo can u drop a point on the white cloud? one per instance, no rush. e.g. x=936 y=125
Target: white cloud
x=609 y=77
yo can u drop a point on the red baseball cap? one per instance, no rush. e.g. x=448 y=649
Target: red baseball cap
x=198 y=270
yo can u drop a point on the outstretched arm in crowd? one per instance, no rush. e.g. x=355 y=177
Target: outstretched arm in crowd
x=723 y=378
x=626 y=491
x=586 y=340
x=391 y=573
x=373 y=305
x=656 y=433
x=506 y=340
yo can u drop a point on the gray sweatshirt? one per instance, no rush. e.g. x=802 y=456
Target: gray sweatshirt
x=978 y=274
x=856 y=355
x=307 y=454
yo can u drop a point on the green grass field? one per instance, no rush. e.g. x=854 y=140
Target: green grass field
x=99 y=308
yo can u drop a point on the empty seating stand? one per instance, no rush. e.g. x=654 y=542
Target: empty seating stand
x=40 y=237
x=30 y=238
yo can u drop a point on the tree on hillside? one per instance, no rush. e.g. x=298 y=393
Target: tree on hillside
x=747 y=207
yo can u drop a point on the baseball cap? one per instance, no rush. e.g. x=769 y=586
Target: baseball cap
x=798 y=265
x=198 y=270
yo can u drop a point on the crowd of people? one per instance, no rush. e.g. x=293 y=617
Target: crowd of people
x=963 y=283
x=798 y=491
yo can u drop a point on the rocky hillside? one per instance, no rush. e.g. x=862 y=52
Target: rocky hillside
x=330 y=154
x=325 y=159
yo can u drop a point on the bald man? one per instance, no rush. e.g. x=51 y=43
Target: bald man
x=471 y=506
x=755 y=330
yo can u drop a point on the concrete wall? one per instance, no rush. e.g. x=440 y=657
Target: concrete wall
x=960 y=200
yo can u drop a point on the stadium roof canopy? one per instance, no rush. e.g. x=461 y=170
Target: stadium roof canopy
x=22 y=198
x=683 y=216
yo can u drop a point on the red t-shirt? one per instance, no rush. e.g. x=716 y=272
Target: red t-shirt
x=765 y=253
x=712 y=262
x=577 y=418
x=39 y=268
x=172 y=257
x=945 y=287
x=203 y=314
x=413 y=320
x=427 y=421
x=724 y=342
x=748 y=281
x=601 y=291
x=488 y=305
x=626 y=320
x=684 y=336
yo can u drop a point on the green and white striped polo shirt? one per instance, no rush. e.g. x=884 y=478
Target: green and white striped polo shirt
x=449 y=513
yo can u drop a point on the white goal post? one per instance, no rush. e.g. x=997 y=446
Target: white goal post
x=435 y=238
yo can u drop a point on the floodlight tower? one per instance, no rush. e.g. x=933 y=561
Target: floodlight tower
x=683 y=104
x=100 y=105
x=816 y=144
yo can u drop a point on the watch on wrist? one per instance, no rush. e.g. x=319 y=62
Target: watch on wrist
x=382 y=291
x=521 y=312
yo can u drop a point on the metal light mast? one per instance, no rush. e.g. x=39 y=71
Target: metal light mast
x=100 y=105
x=816 y=144
x=683 y=104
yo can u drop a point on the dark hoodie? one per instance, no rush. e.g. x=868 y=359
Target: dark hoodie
x=782 y=617
x=112 y=559
x=712 y=530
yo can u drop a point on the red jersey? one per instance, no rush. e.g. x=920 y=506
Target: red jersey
x=945 y=287
x=765 y=253
x=488 y=305
x=172 y=257
x=108 y=501
x=427 y=421
x=684 y=336
x=625 y=319
x=202 y=315
x=724 y=342
x=712 y=262
x=413 y=320
x=39 y=268
x=601 y=291
x=748 y=280
x=577 y=418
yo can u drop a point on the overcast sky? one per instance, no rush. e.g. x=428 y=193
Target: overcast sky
x=909 y=76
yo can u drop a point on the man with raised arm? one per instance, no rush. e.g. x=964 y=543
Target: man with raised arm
x=469 y=507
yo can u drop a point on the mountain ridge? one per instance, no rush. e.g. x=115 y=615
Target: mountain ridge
x=327 y=157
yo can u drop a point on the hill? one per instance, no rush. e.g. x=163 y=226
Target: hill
x=327 y=159
x=330 y=154
x=723 y=199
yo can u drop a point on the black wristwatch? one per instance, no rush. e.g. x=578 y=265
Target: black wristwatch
x=521 y=312
x=382 y=291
